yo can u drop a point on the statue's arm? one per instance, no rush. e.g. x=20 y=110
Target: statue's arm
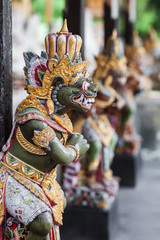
x=75 y=146
x=93 y=156
x=62 y=154
x=42 y=135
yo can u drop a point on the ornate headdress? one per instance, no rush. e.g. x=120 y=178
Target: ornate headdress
x=115 y=59
x=137 y=49
x=152 y=42
x=62 y=58
x=110 y=60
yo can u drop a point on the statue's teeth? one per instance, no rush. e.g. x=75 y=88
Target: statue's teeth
x=85 y=101
x=81 y=98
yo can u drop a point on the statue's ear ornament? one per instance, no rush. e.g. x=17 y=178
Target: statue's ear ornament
x=62 y=58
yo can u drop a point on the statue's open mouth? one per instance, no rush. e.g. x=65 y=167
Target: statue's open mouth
x=84 y=101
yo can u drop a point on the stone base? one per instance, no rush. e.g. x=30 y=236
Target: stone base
x=126 y=166
x=87 y=223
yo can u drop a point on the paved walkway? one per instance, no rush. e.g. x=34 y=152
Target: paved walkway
x=139 y=208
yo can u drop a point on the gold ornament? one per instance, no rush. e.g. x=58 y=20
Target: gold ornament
x=62 y=48
x=31 y=148
x=43 y=138
x=104 y=104
x=102 y=204
x=54 y=192
x=65 y=122
x=38 y=116
x=50 y=103
x=111 y=61
x=64 y=70
x=90 y=179
x=32 y=101
x=114 y=62
x=2 y=189
x=94 y=165
x=79 y=125
x=64 y=28
x=108 y=174
x=113 y=39
x=103 y=128
x=136 y=50
x=75 y=79
x=63 y=43
x=151 y=42
x=21 y=168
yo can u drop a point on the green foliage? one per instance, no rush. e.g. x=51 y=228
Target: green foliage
x=155 y=5
x=39 y=7
x=148 y=12
x=145 y=22
x=59 y=6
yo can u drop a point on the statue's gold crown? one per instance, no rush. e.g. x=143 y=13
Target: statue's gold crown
x=151 y=41
x=137 y=49
x=153 y=35
x=110 y=60
x=112 y=47
x=63 y=42
x=115 y=59
x=136 y=39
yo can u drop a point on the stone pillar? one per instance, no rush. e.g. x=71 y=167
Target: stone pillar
x=75 y=12
x=5 y=70
x=109 y=22
x=129 y=22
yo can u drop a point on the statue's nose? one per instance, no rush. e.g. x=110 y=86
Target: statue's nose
x=94 y=88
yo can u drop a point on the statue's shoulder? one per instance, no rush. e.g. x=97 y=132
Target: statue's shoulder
x=32 y=109
x=31 y=104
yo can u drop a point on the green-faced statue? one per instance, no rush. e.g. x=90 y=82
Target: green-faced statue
x=32 y=201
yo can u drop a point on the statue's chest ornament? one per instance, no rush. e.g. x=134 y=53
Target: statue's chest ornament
x=31 y=148
x=103 y=128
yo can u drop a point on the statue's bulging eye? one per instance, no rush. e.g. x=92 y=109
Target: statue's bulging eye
x=85 y=86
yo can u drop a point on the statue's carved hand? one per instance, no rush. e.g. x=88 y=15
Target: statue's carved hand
x=77 y=140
